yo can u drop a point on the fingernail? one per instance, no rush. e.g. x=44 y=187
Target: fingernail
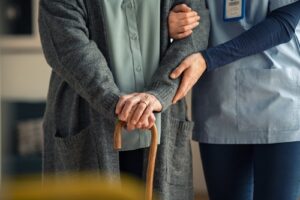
x=172 y=76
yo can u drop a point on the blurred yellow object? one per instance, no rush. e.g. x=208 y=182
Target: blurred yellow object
x=74 y=187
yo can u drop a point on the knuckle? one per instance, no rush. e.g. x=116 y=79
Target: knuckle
x=145 y=123
x=129 y=103
x=144 y=117
x=190 y=20
x=185 y=28
x=151 y=107
x=185 y=64
x=152 y=120
x=186 y=20
x=147 y=113
x=141 y=106
x=122 y=98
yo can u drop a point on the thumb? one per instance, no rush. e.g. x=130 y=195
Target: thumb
x=181 y=8
x=182 y=90
x=180 y=69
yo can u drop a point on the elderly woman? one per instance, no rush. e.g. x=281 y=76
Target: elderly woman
x=110 y=57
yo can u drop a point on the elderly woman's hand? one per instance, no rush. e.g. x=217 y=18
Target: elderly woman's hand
x=181 y=22
x=192 y=69
x=137 y=110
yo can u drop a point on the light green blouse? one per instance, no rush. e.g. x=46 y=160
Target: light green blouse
x=133 y=33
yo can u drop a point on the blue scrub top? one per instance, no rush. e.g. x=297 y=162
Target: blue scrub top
x=255 y=100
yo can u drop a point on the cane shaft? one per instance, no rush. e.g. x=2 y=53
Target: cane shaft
x=151 y=158
x=151 y=164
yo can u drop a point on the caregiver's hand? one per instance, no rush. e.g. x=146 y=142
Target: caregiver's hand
x=137 y=110
x=182 y=20
x=192 y=69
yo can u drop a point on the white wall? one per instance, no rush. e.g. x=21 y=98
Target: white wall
x=25 y=76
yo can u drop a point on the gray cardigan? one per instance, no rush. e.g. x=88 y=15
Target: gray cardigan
x=82 y=95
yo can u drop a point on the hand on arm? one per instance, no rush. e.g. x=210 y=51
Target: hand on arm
x=181 y=21
x=192 y=69
x=162 y=86
x=278 y=27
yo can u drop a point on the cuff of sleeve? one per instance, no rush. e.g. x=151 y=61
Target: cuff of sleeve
x=163 y=94
x=109 y=104
x=207 y=60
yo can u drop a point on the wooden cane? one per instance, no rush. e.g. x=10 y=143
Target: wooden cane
x=151 y=158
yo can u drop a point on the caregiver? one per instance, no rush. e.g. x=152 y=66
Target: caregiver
x=247 y=103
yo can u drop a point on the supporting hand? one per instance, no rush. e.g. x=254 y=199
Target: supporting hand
x=182 y=20
x=192 y=69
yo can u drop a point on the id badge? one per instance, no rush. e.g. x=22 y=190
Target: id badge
x=234 y=10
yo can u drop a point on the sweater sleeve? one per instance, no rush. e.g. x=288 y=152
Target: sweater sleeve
x=162 y=86
x=278 y=27
x=73 y=56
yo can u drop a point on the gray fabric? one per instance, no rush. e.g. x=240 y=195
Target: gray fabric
x=254 y=100
x=83 y=95
x=133 y=38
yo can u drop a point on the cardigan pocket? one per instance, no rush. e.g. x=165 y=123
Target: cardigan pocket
x=76 y=152
x=179 y=155
x=267 y=100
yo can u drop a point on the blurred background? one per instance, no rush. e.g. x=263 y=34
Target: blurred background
x=24 y=83
x=24 y=78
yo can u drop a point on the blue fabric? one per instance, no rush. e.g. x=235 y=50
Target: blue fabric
x=254 y=100
x=246 y=172
x=278 y=27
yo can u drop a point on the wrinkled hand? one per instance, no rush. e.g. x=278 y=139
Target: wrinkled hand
x=137 y=110
x=192 y=69
x=182 y=20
